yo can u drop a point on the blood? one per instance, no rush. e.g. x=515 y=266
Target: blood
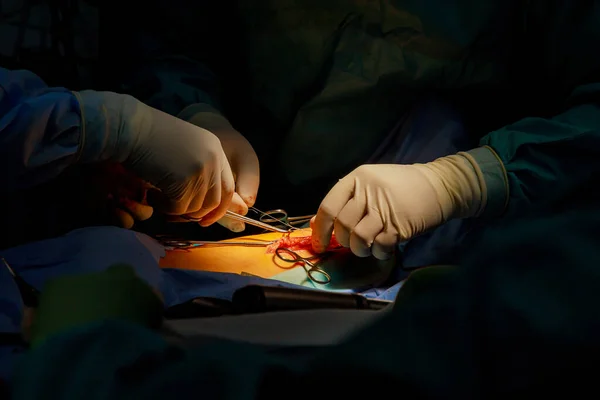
x=300 y=243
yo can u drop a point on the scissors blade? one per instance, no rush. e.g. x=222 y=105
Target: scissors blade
x=254 y=222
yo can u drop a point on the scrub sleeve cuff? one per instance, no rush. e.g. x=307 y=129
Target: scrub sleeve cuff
x=493 y=179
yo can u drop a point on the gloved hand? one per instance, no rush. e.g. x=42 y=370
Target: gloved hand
x=377 y=206
x=186 y=163
x=239 y=152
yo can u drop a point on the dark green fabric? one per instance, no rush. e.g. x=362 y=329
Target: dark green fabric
x=70 y=301
x=304 y=79
x=518 y=319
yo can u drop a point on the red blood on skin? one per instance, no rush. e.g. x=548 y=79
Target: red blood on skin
x=300 y=243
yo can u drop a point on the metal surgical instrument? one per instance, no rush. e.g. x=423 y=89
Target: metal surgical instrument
x=280 y=216
x=187 y=244
x=247 y=220
x=314 y=273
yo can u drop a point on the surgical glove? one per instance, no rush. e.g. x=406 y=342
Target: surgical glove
x=377 y=206
x=185 y=162
x=242 y=159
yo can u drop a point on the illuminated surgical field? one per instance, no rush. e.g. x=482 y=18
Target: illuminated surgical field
x=345 y=270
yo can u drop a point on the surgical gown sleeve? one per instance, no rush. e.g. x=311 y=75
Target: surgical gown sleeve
x=519 y=320
x=40 y=130
x=544 y=155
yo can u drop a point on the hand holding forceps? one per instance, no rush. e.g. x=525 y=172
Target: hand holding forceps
x=281 y=217
x=314 y=273
x=247 y=220
x=268 y=220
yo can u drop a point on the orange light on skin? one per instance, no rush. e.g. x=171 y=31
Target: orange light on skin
x=346 y=270
x=234 y=259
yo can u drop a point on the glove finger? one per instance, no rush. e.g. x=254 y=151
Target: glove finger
x=140 y=212
x=329 y=209
x=170 y=205
x=209 y=201
x=196 y=207
x=225 y=194
x=123 y=218
x=352 y=213
x=238 y=206
x=232 y=224
x=384 y=245
x=247 y=171
x=364 y=233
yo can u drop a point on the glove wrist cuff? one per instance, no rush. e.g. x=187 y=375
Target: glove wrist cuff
x=110 y=124
x=493 y=180
x=470 y=184
x=459 y=186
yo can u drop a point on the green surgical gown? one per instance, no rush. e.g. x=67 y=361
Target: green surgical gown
x=316 y=85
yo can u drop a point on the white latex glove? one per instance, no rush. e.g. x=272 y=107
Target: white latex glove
x=186 y=163
x=377 y=206
x=242 y=159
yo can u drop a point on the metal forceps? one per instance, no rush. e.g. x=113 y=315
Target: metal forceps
x=249 y=221
x=189 y=244
x=314 y=273
x=281 y=217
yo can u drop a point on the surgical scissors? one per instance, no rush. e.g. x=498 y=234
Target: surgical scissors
x=281 y=217
x=187 y=244
x=247 y=220
x=314 y=273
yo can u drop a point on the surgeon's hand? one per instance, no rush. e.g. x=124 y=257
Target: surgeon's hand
x=242 y=159
x=185 y=162
x=377 y=206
